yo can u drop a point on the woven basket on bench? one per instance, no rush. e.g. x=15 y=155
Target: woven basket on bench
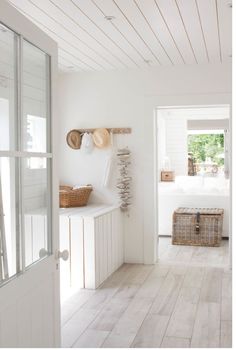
x=74 y=198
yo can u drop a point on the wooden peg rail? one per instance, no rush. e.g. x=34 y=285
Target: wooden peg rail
x=113 y=130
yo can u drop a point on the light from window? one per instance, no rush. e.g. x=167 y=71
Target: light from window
x=36 y=140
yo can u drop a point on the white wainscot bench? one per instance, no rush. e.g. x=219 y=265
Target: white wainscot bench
x=93 y=235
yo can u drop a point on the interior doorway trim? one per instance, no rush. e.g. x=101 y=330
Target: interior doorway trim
x=155 y=133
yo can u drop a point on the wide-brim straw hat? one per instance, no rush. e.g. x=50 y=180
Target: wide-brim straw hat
x=73 y=139
x=101 y=138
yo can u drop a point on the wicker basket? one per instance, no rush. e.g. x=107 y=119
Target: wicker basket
x=197 y=226
x=74 y=198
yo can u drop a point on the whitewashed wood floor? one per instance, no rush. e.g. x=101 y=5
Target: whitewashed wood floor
x=183 y=301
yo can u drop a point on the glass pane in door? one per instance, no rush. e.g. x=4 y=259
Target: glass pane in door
x=35 y=124
x=35 y=171
x=35 y=174
x=8 y=52
x=25 y=181
x=9 y=220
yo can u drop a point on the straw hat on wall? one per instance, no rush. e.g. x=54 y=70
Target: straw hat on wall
x=101 y=138
x=73 y=139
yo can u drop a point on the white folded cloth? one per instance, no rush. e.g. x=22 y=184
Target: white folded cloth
x=87 y=144
x=76 y=187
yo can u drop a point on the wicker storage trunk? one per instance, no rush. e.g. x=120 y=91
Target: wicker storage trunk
x=197 y=226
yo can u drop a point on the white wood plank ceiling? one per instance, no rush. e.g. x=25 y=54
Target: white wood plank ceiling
x=115 y=34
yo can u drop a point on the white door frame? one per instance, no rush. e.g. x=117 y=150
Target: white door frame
x=155 y=122
x=11 y=292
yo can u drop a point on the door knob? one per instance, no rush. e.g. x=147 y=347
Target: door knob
x=42 y=253
x=64 y=255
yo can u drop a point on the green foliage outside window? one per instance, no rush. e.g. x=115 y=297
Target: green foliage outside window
x=203 y=146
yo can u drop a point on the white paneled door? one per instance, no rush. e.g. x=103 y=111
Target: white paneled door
x=29 y=235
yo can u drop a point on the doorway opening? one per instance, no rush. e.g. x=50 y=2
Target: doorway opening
x=192 y=170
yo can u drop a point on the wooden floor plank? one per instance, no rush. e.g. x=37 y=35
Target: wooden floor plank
x=212 y=284
x=73 y=329
x=151 y=332
x=140 y=275
x=110 y=314
x=200 y=255
x=166 y=298
x=172 y=342
x=170 y=253
x=110 y=287
x=153 y=283
x=74 y=303
x=127 y=291
x=226 y=297
x=133 y=281
x=91 y=339
x=178 y=303
x=183 y=317
x=99 y=299
x=206 y=332
x=194 y=277
x=185 y=254
x=128 y=325
x=117 y=341
x=226 y=334
x=182 y=320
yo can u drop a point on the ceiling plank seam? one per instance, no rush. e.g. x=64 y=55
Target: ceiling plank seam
x=202 y=31
x=90 y=35
x=152 y=30
x=218 y=29
x=168 y=28
x=154 y=55
x=104 y=33
x=68 y=62
x=71 y=54
x=185 y=29
x=73 y=34
x=59 y=36
x=41 y=25
x=119 y=31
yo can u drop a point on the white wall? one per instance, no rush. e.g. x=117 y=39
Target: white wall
x=177 y=145
x=128 y=98
x=161 y=149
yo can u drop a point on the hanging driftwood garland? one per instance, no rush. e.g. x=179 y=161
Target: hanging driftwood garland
x=124 y=181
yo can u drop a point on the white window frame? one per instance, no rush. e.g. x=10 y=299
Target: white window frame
x=18 y=154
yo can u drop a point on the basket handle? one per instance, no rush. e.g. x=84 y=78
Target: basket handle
x=197 y=223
